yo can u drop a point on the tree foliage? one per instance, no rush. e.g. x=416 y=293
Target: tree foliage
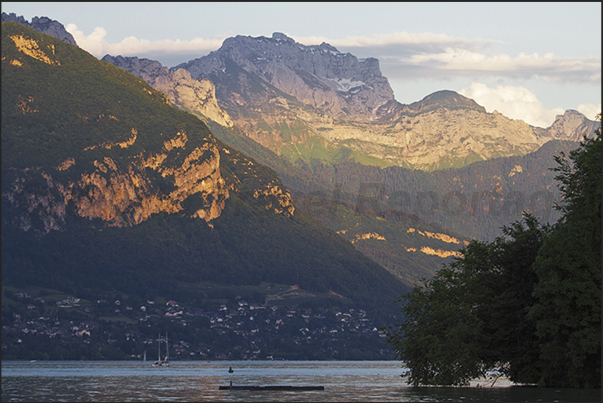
x=467 y=319
x=528 y=303
x=568 y=296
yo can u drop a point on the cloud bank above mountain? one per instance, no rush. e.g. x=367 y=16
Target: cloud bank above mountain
x=96 y=44
x=415 y=55
x=520 y=103
x=513 y=102
x=440 y=55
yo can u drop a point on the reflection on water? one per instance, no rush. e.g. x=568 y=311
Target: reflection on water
x=364 y=381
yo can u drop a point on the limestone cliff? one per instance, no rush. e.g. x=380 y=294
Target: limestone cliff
x=572 y=125
x=335 y=83
x=434 y=136
x=123 y=196
x=183 y=91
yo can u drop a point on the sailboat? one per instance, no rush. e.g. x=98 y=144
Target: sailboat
x=159 y=362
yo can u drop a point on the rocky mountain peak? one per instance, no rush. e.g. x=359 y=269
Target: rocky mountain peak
x=44 y=25
x=352 y=106
x=335 y=83
x=327 y=47
x=445 y=99
x=572 y=125
x=278 y=36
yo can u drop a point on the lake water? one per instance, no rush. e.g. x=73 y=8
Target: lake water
x=343 y=381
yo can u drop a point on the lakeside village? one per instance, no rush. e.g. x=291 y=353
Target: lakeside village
x=36 y=327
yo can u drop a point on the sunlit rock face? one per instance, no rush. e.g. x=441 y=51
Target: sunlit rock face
x=127 y=195
x=183 y=91
x=128 y=198
x=123 y=193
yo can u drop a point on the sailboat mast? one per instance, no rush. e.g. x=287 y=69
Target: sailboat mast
x=167 y=354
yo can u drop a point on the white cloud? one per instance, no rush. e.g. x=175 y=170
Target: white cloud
x=96 y=44
x=395 y=38
x=513 y=102
x=93 y=43
x=589 y=110
x=547 y=67
x=430 y=55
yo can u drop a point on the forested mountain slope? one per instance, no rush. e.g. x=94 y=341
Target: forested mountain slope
x=105 y=186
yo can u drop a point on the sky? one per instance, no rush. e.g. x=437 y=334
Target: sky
x=528 y=61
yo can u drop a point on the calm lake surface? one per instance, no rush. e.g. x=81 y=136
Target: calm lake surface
x=343 y=381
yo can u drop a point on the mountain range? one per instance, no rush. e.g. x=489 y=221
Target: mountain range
x=275 y=91
x=265 y=162
x=303 y=101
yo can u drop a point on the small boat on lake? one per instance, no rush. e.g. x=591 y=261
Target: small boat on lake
x=159 y=362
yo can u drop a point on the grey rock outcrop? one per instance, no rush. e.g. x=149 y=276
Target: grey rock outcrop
x=572 y=125
x=338 y=84
x=183 y=91
x=44 y=25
